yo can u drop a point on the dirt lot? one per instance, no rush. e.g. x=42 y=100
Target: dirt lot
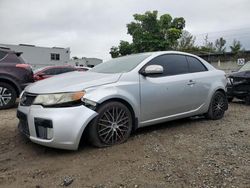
x=186 y=153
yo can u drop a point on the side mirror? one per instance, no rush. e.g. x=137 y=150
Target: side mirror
x=152 y=69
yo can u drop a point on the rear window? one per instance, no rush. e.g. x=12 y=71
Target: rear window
x=2 y=54
x=195 y=65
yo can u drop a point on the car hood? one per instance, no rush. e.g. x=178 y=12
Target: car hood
x=243 y=74
x=72 y=81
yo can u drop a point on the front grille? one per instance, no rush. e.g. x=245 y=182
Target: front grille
x=27 y=99
x=23 y=123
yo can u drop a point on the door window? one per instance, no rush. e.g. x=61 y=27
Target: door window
x=173 y=64
x=64 y=70
x=51 y=71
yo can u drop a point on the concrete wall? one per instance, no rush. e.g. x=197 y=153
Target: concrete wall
x=41 y=56
x=226 y=66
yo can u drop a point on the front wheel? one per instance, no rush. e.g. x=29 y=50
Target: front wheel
x=218 y=106
x=113 y=125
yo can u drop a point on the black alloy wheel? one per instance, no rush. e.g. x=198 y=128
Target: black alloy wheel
x=218 y=106
x=112 y=126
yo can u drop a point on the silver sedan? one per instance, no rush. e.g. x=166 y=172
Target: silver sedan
x=114 y=98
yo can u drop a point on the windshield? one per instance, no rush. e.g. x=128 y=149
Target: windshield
x=245 y=67
x=120 y=64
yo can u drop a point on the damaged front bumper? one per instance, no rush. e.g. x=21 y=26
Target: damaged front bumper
x=238 y=86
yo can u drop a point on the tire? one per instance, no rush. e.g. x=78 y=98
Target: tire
x=218 y=106
x=7 y=96
x=113 y=125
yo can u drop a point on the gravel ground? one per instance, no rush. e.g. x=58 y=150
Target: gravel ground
x=187 y=153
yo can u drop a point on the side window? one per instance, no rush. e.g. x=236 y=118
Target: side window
x=195 y=65
x=64 y=70
x=61 y=70
x=2 y=55
x=58 y=71
x=173 y=64
x=50 y=72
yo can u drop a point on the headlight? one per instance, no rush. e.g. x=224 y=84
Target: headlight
x=59 y=98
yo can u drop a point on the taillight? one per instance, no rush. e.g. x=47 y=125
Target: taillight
x=26 y=66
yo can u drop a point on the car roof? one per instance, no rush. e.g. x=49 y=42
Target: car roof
x=57 y=66
x=168 y=52
x=165 y=52
x=8 y=50
x=50 y=67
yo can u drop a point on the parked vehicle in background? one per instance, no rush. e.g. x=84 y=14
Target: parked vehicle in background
x=239 y=84
x=120 y=95
x=49 y=71
x=15 y=74
x=80 y=68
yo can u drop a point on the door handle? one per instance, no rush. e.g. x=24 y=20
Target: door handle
x=191 y=82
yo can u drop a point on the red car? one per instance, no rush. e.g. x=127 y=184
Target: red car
x=47 y=72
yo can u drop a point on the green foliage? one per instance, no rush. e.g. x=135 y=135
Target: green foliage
x=236 y=47
x=114 y=52
x=150 y=33
x=125 y=48
x=220 y=45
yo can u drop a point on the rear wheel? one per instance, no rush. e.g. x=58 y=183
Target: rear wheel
x=112 y=126
x=7 y=96
x=218 y=106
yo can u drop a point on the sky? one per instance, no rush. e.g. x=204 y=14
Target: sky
x=91 y=27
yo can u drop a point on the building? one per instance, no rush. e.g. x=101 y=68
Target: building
x=41 y=56
x=85 y=62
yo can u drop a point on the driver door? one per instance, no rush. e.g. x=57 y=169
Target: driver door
x=165 y=94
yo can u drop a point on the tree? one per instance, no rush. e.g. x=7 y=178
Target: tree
x=114 y=52
x=186 y=42
x=220 y=45
x=125 y=48
x=235 y=47
x=208 y=47
x=150 y=33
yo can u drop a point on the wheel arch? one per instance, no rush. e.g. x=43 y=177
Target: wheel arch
x=221 y=90
x=114 y=99
x=12 y=83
